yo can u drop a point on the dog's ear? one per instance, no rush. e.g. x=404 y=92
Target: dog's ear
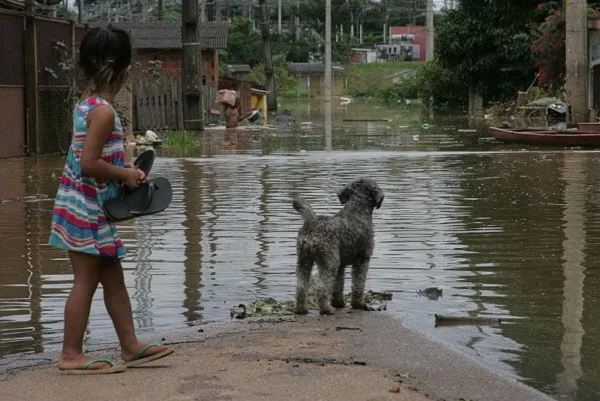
x=343 y=194
x=378 y=197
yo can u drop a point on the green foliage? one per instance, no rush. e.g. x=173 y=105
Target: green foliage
x=479 y=38
x=287 y=85
x=429 y=79
x=365 y=79
x=342 y=49
x=243 y=43
x=548 y=45
x=181 y=143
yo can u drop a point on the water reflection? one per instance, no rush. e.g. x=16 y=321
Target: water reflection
x=193 y=240
x=505 y=234
x=574 y=272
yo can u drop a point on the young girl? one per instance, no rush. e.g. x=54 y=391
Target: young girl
x=94 y=168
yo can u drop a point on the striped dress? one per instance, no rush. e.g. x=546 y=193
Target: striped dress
x=78 y=222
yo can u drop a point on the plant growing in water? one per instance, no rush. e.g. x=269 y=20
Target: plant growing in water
x=182 y=142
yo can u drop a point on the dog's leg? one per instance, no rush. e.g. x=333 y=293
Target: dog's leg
x=359 y=277
x=327 y=269
x=303 y=271
x=338 y=300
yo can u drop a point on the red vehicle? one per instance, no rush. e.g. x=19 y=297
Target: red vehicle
x=547 y=137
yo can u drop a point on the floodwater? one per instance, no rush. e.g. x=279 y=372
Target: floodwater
x=506 y=231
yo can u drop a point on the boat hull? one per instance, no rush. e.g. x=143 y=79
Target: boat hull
x=547 y=137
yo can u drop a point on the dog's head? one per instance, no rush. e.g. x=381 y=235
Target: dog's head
x=363 y=189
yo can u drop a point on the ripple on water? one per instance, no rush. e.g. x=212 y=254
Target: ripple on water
x=501 y=233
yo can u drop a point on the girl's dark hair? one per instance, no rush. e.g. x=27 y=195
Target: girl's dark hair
x=104 y=54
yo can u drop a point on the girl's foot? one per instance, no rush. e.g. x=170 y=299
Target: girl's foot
x=138 y=353
x=79 y=361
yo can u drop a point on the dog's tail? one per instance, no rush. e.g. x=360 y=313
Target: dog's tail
x=302 y=206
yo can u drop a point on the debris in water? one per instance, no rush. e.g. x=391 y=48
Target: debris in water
x=374 y=301
x=444 y=320
x=340 y=328
x=432 y=293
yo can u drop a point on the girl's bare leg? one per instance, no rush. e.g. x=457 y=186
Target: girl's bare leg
x=118 y=305
x=86 y=270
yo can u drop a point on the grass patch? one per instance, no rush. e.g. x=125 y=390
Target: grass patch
x=365 y=79
x=182 y=142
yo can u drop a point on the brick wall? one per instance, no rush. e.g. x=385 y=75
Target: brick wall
x=172 y=62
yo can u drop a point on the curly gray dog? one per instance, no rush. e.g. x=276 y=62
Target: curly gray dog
x=333 y=242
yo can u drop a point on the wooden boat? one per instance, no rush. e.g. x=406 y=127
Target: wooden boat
x=547 y=137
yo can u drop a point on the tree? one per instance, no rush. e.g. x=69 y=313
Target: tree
x=243 y=43
x=486 y=44
x=548 y=45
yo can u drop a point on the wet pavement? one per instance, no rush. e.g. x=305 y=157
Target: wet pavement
x=505 y=231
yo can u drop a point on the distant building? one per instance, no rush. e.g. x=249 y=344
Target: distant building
x=398 y=37
x=312 y=78
x=161 y=40
x=239 y=71
x=360 y=56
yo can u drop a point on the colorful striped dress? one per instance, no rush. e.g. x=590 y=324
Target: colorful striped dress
x=78 y=222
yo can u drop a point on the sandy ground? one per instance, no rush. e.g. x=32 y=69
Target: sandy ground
x=349 y=356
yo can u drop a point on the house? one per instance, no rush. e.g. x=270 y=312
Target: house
x=239 y=71
x=398 y=36
x=360 y=56
x=161 y=40
x=312 y=78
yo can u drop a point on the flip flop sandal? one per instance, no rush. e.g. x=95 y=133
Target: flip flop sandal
x=151 y=197
x=85 y=369
x=140 y=361
x=145 y=161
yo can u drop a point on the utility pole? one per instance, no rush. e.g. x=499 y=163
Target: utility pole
x=80 y=11
x=217 y=10
x=430 y=31
x=202 y=10
x=577 y=71
x=144 y=10
x=297 y=19
x=279 y=16
x=327 y=100
x=160 y=10
x=266 y=47
x=193 y=95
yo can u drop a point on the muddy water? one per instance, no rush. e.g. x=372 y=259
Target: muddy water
x=507 y=232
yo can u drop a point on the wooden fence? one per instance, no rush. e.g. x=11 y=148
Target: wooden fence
x=158 y=104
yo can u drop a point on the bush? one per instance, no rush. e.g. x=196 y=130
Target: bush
x=286 y=85
x=548 y=46
x=429 y=79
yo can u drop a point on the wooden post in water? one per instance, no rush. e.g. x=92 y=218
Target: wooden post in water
x=327 y=100
x=577 y=72
x=266 y=47
x=193 y=99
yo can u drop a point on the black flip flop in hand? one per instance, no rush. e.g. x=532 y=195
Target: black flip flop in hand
x=152 y=196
